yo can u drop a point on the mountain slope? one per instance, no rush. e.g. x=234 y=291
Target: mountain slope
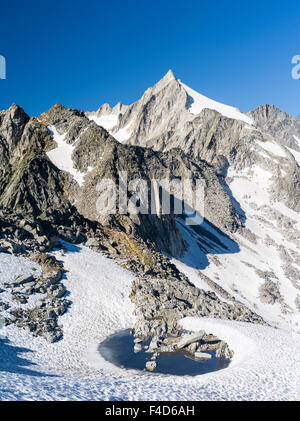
x=246 y=250
x=263 y=367
x=255 y=158
x=282 y=126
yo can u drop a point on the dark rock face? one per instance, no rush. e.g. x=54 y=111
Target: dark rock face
x=95 y=148
x=39 y=202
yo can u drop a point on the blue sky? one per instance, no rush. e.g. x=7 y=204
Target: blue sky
x=82 y=54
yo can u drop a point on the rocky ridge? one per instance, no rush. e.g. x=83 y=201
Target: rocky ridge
x=257 y=163
x=282 y=126
x=40 y=202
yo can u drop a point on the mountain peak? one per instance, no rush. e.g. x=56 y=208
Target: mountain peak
x=169 y=75
x=15 y=108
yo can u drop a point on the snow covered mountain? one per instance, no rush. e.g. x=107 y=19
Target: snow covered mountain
x=70 y=276
x=167 y=107
x=256 y=158
x=282 y=126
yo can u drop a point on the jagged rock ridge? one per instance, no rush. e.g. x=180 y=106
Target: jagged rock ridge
x=257 y=163
x=250 y=235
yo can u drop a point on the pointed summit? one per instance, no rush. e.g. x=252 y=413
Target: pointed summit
x=169 y=76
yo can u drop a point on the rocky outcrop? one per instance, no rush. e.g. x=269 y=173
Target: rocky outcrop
x=42 y=320
x=156 y=138
x=96 y=149
x=282 y=126
x=191 y=344
x=12 y=124
x=161 y=120
x=164 y=299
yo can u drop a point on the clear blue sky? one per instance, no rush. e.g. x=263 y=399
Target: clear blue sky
x=84 y=53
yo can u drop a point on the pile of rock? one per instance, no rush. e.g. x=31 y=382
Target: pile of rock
x=42 y=320
x=197 y=344
x=162 y=300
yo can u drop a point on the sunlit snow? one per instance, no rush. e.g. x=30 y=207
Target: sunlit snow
x=200 y=102
x=263 y=366
x=61 y=156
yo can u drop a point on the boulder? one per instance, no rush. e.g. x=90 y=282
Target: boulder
x=150 y=365
x=23 y=279
x=137 y=347
x=188 y=339
x=202 y=355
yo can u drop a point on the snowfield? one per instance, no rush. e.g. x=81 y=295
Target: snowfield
x=11 y=267
x=108 y=121
x=239 y=267
x=265 y=365
x=61 y=156
x=200 y=102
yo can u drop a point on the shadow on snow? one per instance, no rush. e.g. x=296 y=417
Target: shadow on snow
x=12 y=362
x=204 y=239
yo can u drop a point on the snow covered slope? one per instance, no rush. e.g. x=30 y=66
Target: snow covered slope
x=261 y=267
x=61 y=156
x=198 y=102
x=263 y=368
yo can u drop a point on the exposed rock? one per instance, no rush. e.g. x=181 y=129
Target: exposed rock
x=137 y=347
x=188 y=339
x=282 y=126
x=223 y=351
x=24 y=279
x=202 y=355
x=43 y=319
x=269 y=292
x=150 y=365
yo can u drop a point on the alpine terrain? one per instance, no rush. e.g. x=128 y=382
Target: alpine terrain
x=218 y=279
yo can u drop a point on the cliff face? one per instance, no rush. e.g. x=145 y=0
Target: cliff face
x=32 y=186
x=96 y=155
x=282 y=126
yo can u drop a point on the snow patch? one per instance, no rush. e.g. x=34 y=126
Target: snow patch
x=272 y=147
x=108 y=121
x=123 y=134
x=200 y=102
x=61 y=156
